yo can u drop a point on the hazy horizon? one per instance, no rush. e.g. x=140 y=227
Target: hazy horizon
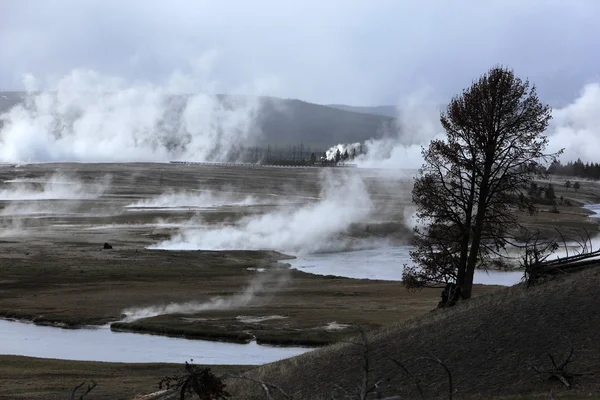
x=358 y=53
x=113 y=65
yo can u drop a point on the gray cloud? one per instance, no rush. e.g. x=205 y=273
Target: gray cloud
x=357 y=52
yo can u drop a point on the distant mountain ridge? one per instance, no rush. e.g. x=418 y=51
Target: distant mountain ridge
x=285 y=122
x=386 y=111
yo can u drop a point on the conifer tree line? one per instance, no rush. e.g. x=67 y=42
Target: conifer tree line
x=576 y=168
x=300 y=154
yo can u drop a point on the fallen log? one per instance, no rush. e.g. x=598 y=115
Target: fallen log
x=534 y=272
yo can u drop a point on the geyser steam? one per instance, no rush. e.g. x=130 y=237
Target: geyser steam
x=56 y=187
x=417 y=122
x=196 y=199
x=89 y=117
x=313 y=227
x=574 y=128
x=269 y=281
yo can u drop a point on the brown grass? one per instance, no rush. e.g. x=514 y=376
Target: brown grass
x=571 y=221
x=37 y=378
x=78 y=284
x=486 y=342
x=61 y=275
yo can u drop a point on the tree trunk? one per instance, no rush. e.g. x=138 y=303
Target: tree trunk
x=477 y=232
x=464 y=248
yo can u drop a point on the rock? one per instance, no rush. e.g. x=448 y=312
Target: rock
x=107 y=246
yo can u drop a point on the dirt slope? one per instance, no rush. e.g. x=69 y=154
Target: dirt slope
x=486 y=343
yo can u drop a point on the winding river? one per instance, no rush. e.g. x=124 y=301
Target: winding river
x=101 y=344
x=383 y=264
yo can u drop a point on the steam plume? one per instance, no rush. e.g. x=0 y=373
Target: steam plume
x=574 y=128
x=316 y=226
x=56 y=187
x=273 y=280
x=198 y=199
x=89 y=117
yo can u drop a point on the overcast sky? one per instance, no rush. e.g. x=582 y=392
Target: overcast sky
x=326 y=51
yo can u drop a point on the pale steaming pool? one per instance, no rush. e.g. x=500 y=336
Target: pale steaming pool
x=101 y=344
x=595 y=208
x=384 y=264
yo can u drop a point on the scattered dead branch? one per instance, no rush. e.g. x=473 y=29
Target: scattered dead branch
x=417 y=381
x=559 y=371
x=365 y=387
x=538 y=266
x=196 y=380
x=89 y=388
x=407 y=371
x=436 y=360
x=266 y=386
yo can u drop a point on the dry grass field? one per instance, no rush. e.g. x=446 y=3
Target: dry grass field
x=489 y=344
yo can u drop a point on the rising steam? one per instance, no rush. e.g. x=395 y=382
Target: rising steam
x=574 y=128
x=45 y=196
x=263 y=282
x=417 y=122
x=197 y=199
x=56 y=187
x=89 y=117
x=317 y=226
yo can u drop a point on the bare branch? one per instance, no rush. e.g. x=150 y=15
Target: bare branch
x=559 y=371
x=266 y=386
x=436 y=360
x=417 y=381
x=90 y=387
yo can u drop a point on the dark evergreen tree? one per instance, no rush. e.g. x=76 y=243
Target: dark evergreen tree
x=471 y=182
x=550 y=195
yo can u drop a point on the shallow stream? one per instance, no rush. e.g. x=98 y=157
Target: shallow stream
x=101 y=344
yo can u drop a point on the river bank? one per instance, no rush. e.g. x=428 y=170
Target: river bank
x=32 y=378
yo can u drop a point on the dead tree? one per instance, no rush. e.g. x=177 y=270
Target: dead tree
x=538 y=266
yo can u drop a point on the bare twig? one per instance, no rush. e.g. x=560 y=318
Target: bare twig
x=435 y=359
x=537 y=265
x=266 y=386
x=90 y=387
x=417 y=380
x=364 y=388
x=559 y=371
x=564 y=241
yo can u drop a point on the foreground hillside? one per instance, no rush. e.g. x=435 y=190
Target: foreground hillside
x=487 y=344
